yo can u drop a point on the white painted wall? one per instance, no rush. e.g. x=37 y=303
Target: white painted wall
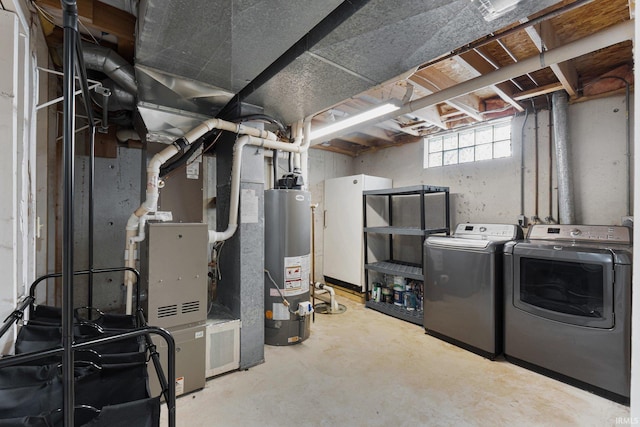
x=635 y=313
x=18 y=171
x=489 y=191
x=323 y=165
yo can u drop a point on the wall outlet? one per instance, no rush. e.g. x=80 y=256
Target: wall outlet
x=522 y=221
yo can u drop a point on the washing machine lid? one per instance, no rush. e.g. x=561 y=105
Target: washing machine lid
x=457 y=242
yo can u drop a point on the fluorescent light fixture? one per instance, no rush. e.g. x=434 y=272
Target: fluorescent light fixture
x=378 y=111
x=492 y=9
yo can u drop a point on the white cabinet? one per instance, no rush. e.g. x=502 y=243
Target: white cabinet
x=343 y=238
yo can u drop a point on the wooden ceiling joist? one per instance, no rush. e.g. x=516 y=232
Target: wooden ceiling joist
x=432 y=81
x=546 y=39
x=478 y=65
x=542 y=90
x=104 y=18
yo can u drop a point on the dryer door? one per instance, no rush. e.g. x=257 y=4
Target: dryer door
x=565 y=284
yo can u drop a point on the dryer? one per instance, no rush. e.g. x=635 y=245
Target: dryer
x=463 y=286
x=568 y=305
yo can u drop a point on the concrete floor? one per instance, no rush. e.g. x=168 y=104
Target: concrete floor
x=363 y=368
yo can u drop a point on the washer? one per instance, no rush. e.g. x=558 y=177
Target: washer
x=463 y=286
x=568 y=305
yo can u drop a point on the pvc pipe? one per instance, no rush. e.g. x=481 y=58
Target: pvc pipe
x=333 y=304
x=211 y=124
x=600 y=40
x=565 y=178
x=220 y=236
x=135 y=223
x=124 y=135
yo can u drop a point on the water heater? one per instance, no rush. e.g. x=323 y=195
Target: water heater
x=287 y=237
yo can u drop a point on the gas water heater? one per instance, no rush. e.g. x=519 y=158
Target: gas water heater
x=287 y=222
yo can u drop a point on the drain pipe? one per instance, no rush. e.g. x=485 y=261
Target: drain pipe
x=148 y=209
x=333 y=304
x=565 y=179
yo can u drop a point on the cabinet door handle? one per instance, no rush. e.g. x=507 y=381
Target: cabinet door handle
x=324 y=218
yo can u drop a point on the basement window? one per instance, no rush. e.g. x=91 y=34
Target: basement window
x=482 y=142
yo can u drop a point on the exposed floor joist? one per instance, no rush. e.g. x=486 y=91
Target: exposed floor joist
x=547 y=39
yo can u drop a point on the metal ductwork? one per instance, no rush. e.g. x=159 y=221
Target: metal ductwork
x=566 y=204
x=107 y=61
x=119 y=99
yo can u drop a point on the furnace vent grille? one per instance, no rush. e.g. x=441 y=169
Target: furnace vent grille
x=190 y=307
x=167 y=311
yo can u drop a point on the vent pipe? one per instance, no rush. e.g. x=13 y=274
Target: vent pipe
x=566 y=205
x=107 y=61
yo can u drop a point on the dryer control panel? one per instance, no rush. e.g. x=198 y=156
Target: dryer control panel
x=488 y=231
x=611 y=233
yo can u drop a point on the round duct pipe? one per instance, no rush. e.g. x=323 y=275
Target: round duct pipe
x=565 y=178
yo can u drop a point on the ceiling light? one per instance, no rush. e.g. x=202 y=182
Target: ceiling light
x=492 y=9
x=354 y=120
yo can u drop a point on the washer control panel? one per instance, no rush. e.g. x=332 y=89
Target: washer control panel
x=488 y=231
x=611 y=233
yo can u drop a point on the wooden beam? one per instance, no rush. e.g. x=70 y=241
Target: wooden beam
x=431 y=81
x=542 y=90
x=103 y=18
x=358 y=140
x=546 y=39
x=476 y=64
x=334 y=149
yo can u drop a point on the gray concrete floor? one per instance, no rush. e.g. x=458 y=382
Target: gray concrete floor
x=363 y=368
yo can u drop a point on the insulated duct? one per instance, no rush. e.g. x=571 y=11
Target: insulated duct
x=107 y=61
x=121 y=78
x=566 y=205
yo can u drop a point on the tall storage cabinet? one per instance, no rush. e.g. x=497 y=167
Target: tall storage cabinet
x=411 y=213
x=343 y=251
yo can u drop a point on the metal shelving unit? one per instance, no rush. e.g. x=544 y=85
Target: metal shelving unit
x=393 y=266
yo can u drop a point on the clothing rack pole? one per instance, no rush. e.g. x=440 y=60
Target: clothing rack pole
x=70 y=23
x=82 y=71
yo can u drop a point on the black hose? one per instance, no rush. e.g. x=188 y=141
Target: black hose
x=261 y=117
x=275 y=167
x=290 y=162
x=180 y=161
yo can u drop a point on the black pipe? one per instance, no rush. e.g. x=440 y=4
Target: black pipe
x=536 y=162
x=275 y=167
x=332 y=21
x=70 y=23
x=180 y=161
x=86 y=95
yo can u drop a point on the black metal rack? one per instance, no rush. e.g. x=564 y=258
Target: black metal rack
x=398 y=267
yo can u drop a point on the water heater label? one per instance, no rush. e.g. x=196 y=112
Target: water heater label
x=296 y=275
